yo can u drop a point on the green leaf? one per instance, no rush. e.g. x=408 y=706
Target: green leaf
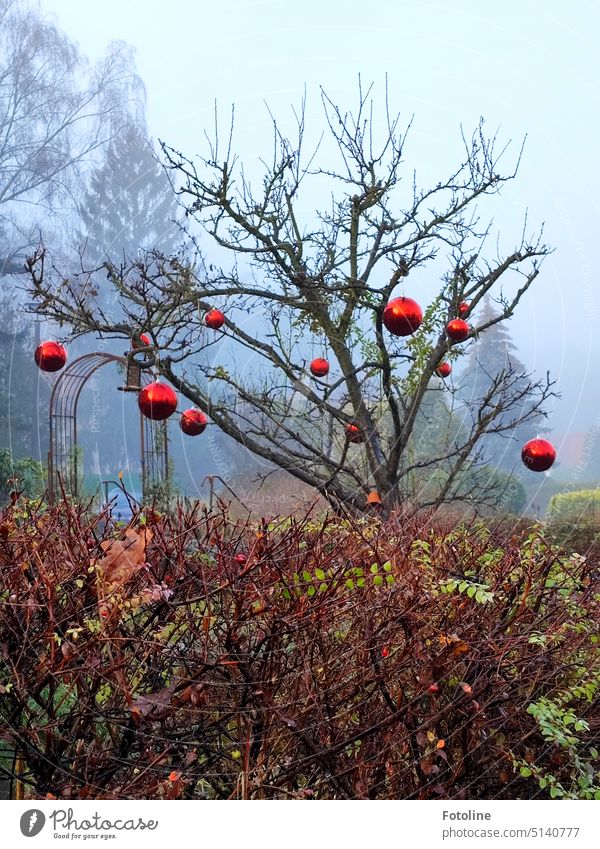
x=471 y=591
x=350 y=584
x=378 y=580
x=525 y=771
x=320 y=574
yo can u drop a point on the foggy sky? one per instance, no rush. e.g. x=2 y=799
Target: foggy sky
x=527 y=68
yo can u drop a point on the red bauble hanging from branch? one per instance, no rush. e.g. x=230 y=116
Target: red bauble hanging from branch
x=443 y=370
x=319 y=367
x=214 y=319
x=402 y=316
x=538 y=455
x=464 y=309
x=157 y=401
x=193 y=422
x=144 y=341
x=355 y=434
x=50 y=356
x=457 y=330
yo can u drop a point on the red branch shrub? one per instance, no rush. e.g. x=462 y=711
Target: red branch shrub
x=328 y=659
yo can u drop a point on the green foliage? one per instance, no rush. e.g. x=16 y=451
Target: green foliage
x=581 y=505
x=20 y=475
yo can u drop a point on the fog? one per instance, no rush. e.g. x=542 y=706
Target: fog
x=528 y=69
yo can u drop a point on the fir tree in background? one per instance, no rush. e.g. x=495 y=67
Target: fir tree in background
x=18 y=381
x=129 y=204
x=494 y=354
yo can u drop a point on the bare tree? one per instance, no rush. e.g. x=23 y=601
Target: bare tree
x=302 y=282
x=55 y=113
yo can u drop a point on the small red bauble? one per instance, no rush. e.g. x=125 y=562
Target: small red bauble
x=193 y=422
x=457 y=330
x=214 y=319
x=464 y=308
x=443 y=370
x=402 y=316
x=240 y=559
x=157 y=401
x=434 y=688
x=355 y=434
x=538 y=455
x=50 y=356
x=319 y=367
x=144 y=339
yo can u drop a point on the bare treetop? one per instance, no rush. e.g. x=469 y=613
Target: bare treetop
x=298 y=283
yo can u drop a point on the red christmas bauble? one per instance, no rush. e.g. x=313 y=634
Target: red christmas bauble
x=193 y=422
x=457 y=330
x=240 y=559
x=319 y=367
x=157 y=401
x=214 y=319
x=402 y=316
x=443 y=370
x=464 y=308
x=355 y=434
x=144 y=339
x=50 y=356
x=538 y=455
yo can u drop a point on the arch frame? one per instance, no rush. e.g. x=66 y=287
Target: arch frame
x=63 y=433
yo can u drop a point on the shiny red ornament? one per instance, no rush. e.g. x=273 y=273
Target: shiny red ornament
x=214 y=319
x=355 y=434
x=240 y=559
x=538 y=455
x=50 y=356
x=157 y=401
x=443 y=370
x=193 y=422
x=319 y=367
x=464 y=309
x=402 y=316
x=144 y=339
x=457 y=330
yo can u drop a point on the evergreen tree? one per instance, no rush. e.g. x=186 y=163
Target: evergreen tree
x=22 y=386
x=493 y=354
x=129 y=205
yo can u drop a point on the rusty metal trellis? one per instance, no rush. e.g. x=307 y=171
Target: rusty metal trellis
x=62 y=438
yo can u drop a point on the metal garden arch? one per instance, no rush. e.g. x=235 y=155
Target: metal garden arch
x=62 y=437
